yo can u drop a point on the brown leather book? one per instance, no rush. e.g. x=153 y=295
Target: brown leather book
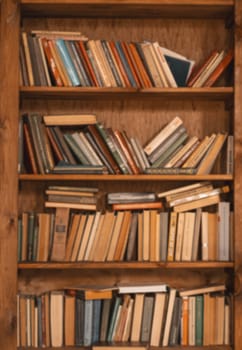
x=123 y=237
x=119 y=62
x=220 y=69
x=51 y=63
x=128 y=154
x=103 y=147
x=60 y=234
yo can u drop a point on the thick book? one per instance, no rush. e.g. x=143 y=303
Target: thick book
x=55 y=74
x=137 y=206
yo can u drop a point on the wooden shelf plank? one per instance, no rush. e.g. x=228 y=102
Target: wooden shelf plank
x=125 y=265
x=128 y=8
x=97 y=177
x=212 y=347
x=216 y=93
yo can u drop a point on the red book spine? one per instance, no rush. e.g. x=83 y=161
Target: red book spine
x=51 y=63
x=120 y=65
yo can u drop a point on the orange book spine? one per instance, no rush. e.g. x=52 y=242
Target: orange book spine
x=130 y=62
x=123 y=144
x=136 y=206
x=120 y=65
x=143 y=73
x=51 y=62
x=220 y=69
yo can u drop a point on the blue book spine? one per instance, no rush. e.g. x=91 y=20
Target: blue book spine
x=66 y=58
x=88 y=314
x=96 y=320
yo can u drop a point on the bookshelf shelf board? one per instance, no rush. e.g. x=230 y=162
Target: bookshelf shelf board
x=215 y=93
x=125 y=346
x=124 y=265
x=128 y=8
x=95 y=177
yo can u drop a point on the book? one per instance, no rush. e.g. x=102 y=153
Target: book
x=176 y=322
x=69 y=119
x=219 y=69
x=55 y=74
x=61 y=205
x=69 y=320
x=203 y=290
x=137 y=317
x=158 y=319
x=147 y=318
x=123 y=237
x=198 y=70
x=130 y=197
x=207 y=163
x=60 y=233
x=56 y=318
x=172 y=236
x=223 y=236
x=169 y=313
x=163 y=135
x=180 y=66
x=65 y=56
x=115 y=235
x=127 y=152
x=142 y=288
x=137 y=206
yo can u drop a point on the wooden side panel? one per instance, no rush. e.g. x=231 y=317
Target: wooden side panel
x=238 y=170
x=8 y=171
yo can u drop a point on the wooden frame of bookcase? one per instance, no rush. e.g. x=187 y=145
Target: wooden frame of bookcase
x=9 y=180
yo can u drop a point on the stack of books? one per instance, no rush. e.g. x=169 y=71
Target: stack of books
x=154 y=315
x=69 y=144
x=70 y=59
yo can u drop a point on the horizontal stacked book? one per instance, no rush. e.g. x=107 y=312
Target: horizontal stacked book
x=136 y=314
x=79 y=144
x=188 y=223
x=71 y=59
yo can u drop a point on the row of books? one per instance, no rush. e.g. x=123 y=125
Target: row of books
x=48 y=59
x=166 y=317
x=49 y=145
x=132 y=230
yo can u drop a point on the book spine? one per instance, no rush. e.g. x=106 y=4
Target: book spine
x=51 y=63
x=60 y=43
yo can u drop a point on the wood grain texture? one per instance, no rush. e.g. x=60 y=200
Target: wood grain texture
x=9 y=28
x=238 y=171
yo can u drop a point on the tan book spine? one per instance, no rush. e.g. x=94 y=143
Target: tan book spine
x=123 y=237
x=92 y=47
x=28 y=58
x=78 y=237
x=72 y=235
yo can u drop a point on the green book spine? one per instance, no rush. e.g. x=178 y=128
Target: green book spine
x=76 y=149
x=31 y=224
x=113 y=318
x=164 y=156
x=199 y=321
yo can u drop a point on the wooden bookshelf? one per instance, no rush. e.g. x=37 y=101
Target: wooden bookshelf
x=214 y=23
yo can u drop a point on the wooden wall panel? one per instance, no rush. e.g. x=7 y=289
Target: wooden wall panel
x=8 y=171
